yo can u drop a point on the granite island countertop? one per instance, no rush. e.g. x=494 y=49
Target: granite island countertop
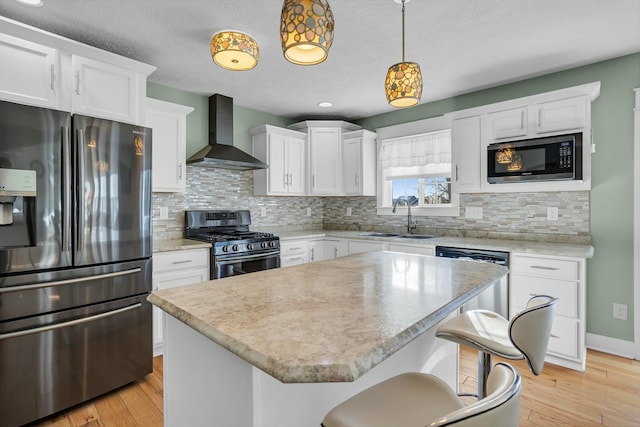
x=330 y=320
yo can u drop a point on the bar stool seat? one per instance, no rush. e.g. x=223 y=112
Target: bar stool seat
x=526 y=336
x=416 y=400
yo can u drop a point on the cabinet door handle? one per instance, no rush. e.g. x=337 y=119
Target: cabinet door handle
x=539 y=116
x=313 y=258
x=77 y=82
x=180 y=170
x=186 y=261
x=285 y=178
x=53 y=77
x=357 y=180
x=335 y=252
x=313 y=181
x=544 y=267
x=456 y=172
x=522 y=119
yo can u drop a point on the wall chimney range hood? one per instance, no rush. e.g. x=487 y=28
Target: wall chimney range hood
x=220 y=153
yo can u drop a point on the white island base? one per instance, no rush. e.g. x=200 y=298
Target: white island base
x=206 y=385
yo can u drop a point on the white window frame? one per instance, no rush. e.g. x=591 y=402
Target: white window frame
x=383 y=191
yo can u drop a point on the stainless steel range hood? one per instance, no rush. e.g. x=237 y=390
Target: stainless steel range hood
x=220 y=153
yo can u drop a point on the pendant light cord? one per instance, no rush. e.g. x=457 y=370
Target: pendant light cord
x=402 y=30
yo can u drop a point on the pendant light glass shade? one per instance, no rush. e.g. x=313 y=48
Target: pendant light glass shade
x=403 y=85
x=306 y=31
x=234 y=50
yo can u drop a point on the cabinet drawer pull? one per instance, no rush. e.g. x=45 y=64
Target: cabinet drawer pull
x=544 y=267
x=186 y=261
x=52 y=76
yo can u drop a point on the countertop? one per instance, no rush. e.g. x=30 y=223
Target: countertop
x=331 y=320
x=166 y=245
x=520 y=246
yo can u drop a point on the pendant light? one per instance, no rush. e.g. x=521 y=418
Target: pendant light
x=403 y=85
x=234 y=50
x=306 y=31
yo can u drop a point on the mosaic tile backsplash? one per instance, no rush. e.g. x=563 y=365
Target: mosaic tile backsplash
x=521 y=216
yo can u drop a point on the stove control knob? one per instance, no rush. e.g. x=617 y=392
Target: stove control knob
x=250 y=246
x=235 y=248
x=225 y=249
x=272 y=244
x=263 y=244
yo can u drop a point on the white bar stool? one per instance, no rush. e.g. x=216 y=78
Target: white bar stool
x=416 y=399
x=526 y=336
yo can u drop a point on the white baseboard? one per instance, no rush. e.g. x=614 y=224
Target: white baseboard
x=610 y=345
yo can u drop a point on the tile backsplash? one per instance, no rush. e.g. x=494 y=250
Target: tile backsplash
x=512 y=216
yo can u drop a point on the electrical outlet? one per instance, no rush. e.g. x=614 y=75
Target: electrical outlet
x=164 y=212
x=552 y=214
x=308 y=211
x=349 y=211
x=263 y=211
x=619 y=311
x=473 y=212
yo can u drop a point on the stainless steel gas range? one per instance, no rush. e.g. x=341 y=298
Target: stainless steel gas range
x=236 y=250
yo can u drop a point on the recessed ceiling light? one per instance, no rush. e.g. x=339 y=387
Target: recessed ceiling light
x=324 y=104
x=32 y=3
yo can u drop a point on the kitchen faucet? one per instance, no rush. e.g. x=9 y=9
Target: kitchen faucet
x=410 y=225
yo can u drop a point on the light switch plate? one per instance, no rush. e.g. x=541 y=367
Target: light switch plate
x=552 y=214
x=349 y=211
x=308 y=211
x=263 y=212
x=473 y=212
x=164 y=212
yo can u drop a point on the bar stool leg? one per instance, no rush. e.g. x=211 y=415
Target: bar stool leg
x=484 y=367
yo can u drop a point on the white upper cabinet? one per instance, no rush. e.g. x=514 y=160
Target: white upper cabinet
x=536 y=120
x=325 y=167
x=466 y=152
x=564 y=114
x=284 y=150
x=29 y=73
x=325 y=160
x=46 y=70
x=359 y=163
x=510 y=123
x=169 y=124
x=107 y=91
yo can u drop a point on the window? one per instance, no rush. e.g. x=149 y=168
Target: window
x=417 y=168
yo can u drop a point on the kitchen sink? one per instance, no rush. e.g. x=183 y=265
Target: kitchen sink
x=382 y=234
x=415 y=236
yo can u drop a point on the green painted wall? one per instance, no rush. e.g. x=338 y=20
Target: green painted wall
x=610 y=272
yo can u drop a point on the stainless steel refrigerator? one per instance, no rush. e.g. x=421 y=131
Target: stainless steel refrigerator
x=75 y=259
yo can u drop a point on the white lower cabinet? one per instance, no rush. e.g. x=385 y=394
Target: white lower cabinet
x=170 y=270
x=358 y=246
x=294 y=252
x=322 y=249
x=561 y=277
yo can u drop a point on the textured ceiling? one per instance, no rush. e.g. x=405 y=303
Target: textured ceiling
x=461 y=45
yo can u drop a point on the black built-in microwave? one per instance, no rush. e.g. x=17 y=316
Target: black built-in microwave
x=538 y=159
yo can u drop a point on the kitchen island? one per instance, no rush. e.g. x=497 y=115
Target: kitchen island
x=281 y=347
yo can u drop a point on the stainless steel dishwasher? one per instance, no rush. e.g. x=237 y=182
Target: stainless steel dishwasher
x=494 y=298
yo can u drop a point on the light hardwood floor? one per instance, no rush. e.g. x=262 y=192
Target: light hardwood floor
x=608 y=393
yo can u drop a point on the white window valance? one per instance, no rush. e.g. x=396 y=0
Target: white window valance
x=416 y=151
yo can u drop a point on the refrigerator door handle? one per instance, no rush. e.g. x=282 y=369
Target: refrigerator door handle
x=69 y=281
x=69 y=323
x=80 y=207
x=66 y=190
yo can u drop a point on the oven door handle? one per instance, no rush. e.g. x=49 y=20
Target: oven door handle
x=69 y=323
x=247 y=257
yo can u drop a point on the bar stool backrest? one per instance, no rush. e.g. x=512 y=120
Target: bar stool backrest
x=501 y=407
x=530 y=330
